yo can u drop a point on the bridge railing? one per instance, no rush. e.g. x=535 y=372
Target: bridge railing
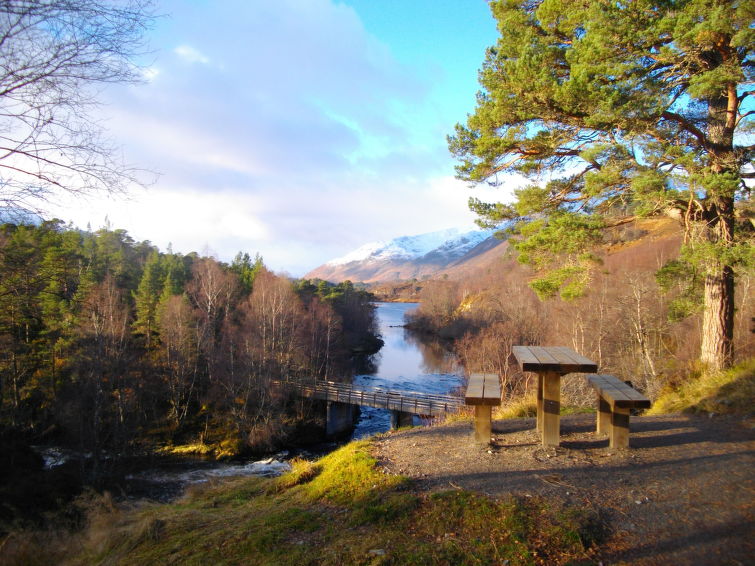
x=403 y=401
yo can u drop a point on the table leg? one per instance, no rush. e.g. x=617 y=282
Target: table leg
x=604 y=416
x=551 y=409
x=539 y=420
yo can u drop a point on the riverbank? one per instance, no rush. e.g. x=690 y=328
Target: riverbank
x=683 y=494
x=342 y=509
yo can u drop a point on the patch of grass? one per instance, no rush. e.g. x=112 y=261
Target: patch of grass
x=460 y=527
x=572 y=410
x=517 y=409
x=580 y=527
x=723 y=392
x=226 y=448
x=302 y=471
x=457 y=527
x=191 y=449
x=339 y=510
x=384 y=509
x=349 y=475
x=463 y=414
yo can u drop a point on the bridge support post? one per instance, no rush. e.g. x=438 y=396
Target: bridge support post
x=401 y=419
x=340 y=419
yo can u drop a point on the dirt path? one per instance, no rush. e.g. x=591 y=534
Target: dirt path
x=683 y=494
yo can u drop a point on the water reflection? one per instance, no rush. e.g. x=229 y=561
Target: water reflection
x=436 y=358
x=406 y=362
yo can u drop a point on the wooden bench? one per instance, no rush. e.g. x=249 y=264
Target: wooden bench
x=483 y=392
x=615 y=400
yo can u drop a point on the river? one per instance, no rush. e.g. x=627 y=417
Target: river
x=404 y=363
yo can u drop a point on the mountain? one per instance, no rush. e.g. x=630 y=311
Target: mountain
x=410 y=257
x=19 y=216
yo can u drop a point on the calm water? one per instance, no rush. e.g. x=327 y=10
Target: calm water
x=404 y=363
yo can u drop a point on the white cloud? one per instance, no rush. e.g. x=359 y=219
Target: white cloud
x=185 y=218
x=150 y=73
x=190 y=54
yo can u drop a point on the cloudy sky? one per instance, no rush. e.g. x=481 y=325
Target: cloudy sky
x=299 y=129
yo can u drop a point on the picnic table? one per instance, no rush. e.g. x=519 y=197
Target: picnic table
x=550 y=363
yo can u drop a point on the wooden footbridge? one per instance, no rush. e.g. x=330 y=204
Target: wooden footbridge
x=342 y=397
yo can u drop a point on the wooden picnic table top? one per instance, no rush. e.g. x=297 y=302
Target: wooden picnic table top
x=558 y=359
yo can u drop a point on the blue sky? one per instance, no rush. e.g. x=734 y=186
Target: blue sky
x=299 y=129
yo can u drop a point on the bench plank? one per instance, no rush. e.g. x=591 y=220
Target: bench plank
x=618 y=393
x=561 y=356
x=483 y=389
x=474 y=390
x=493 y=386
x=576 y=358
x=543 y=355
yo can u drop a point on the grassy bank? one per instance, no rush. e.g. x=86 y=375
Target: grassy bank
x=721 y=392
x=338 y=510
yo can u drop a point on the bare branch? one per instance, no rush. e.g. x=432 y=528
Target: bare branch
x=51 y=54
x=743 y=116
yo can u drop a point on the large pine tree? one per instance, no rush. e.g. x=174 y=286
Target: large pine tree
x=639 y=106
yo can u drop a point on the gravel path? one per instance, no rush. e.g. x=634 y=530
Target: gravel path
x=683 y=494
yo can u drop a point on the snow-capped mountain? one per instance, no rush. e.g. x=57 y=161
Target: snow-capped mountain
x=453 y=242
x=408 y=257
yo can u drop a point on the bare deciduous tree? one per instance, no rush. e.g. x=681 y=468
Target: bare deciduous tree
x=103 y=368
x=179 y=355
x=53 y=56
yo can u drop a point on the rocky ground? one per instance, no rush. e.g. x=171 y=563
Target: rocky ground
x=684 y=493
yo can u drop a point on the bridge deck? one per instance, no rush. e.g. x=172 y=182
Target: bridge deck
x=404 y=401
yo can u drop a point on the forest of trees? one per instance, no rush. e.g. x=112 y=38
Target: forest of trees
x=110 y=345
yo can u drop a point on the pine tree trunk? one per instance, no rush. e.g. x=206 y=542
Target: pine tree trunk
x=718 y=319
x=718 y=306
x=716 y=349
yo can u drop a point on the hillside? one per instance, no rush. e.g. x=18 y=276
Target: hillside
x=644 y=245
x=641 y=245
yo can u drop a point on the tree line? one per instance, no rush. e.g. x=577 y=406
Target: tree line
x=108 y=344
